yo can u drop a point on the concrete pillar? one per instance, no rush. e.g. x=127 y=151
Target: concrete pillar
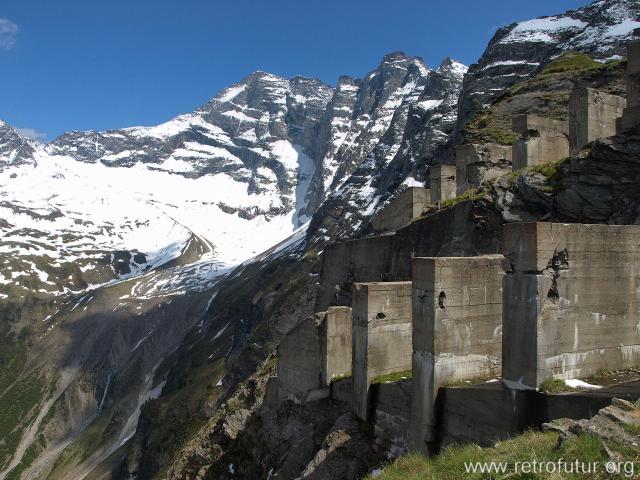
x=300 y=360
x=630 y=119
x=381 y=336
x=402 y=210
x=457 y=320
x=542 y=140
x=592 y=114
x=476 y=164
x=571 y=301
x=336 y=334
x=313 y=353
x=443 y=182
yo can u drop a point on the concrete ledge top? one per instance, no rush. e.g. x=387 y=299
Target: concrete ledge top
x=381 y=285
x=337 y=308
x=550 y=225
x=524 y=122
x=493 y=259
x=531 y=245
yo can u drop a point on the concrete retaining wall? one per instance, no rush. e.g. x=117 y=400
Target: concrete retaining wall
x=592 y=114
x=407 y=206
x=313 y=353
x=571 y=301
x=381 y=336
x=485 y=414
x=457 y=323
x=543 y=140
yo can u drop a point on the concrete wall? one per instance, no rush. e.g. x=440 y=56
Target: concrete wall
x=407 y=206
x=592 y=114
x=367 y=259
x=487 y=413
x=543 y=140
x=466 y=229
x=443 y=182
x=457 y=330
x=391 y=416
x=381 y=336
x=631 y=117
x=313 y=353
x=476 y=164
x=571 y=301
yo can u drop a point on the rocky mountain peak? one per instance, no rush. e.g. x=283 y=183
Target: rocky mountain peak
x=451 y=66
x=15 y=148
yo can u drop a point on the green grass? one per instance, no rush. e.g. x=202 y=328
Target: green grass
x=552 y=171
x=486 y=125
x=554 y=385
x=471 y=194
x=83 y=446
x=392 y=377
x=17 y=410
x=571 y=62
x=539 y=446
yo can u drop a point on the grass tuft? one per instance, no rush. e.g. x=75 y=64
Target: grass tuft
x=451 y=463
x=392 y=377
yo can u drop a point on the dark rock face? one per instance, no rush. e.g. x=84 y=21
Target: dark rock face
x=394 y=151
x=599 y=186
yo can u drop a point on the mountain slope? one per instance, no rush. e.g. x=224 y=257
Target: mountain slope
x=519 y=50
x=414 y=116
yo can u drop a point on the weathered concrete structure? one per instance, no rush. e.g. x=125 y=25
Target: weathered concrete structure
x=542 y=140
x=571 y=301
x=457 y=330
x=488 y=413
x=630 y=119
x=402 y=210
x=313 y=353
x=476 y=164
x=443 y=182
x=592 y=114
x=462 y=230
x=381 y=336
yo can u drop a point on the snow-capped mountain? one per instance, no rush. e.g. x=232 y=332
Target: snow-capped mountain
x=91 y=207
x=262 y=156
x=403 y=116
x=15 y=148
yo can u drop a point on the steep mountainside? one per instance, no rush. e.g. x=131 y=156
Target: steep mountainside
x=521 y=49
x=149 y=273
x=396 y=152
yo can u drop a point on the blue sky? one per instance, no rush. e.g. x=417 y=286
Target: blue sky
x=79 y=65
